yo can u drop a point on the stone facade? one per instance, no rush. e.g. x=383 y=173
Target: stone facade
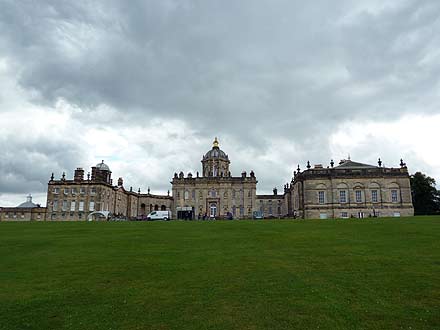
x=26 y=211
x=215 y=194
x=76 y=199
x=271 y=206
x=350 y=190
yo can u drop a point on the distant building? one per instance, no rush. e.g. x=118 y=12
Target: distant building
x=347 y=190
x=96 y=196
x=350 y=189
x=215 y=193
x=26 y=211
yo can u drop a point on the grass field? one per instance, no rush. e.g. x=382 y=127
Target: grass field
x=326 y=274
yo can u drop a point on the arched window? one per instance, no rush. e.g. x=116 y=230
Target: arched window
x=163 y=208
x=156 y=207
x=142 y=209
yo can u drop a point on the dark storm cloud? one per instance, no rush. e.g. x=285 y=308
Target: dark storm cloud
x=252 y=71
x=199 y=59
x=27 y=166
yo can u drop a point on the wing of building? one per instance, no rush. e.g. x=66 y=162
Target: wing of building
x=26 y=211
x=350 y=189
x=81 y=197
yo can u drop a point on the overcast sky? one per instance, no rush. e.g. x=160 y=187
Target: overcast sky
x=147 y=85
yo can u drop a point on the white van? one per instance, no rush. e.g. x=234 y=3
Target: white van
x=159 y=215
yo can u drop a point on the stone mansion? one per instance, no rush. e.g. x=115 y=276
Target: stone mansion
x=343 y=190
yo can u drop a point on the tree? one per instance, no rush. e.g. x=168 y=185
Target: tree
x=425 y=196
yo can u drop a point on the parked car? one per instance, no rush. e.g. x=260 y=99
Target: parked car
x=159 y=215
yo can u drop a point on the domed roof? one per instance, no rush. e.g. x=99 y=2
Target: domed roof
x=28 y=203
x=215 y=152
x=102 y=166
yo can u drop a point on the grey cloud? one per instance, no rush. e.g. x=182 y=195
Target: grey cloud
x=26 y=165
x=246 y=70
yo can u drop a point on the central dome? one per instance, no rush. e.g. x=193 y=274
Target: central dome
x=215 y=152
x=216 y=162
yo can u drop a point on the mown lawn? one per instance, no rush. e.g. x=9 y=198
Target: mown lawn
x=326 y=274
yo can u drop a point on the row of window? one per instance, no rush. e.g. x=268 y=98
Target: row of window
x=212 y=193
x=360 y=215
x=14 y=215
x=65 y=215
x=74 y=191
x=213 y=208
x=358 y=196
x=72 y=206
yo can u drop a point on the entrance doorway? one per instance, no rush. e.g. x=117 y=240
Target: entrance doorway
x=213 y=210
x=185 y=213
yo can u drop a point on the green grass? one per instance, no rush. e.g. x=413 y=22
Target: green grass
x=326 y=274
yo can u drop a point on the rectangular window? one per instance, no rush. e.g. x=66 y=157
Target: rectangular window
x=323 y=216
x=64 y=206
x=92 y=191
x=241 y=210
x=56 y=191
x=66 y=191
x=344 y=215
x=270 y=210
x=186 y=194
x=72 y=205
x=55 y=206
x=92 y=206
x=74 y=190
x=321 y=197
x=394 y=196
x=342 y=196
x=81 y=206
x=374 y=196
x=358 y=196
x=193 y=194
x=82 y=190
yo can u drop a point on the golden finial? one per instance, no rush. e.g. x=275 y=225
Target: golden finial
x=215 y=143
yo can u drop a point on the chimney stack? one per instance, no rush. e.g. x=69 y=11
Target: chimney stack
x=79 y=175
